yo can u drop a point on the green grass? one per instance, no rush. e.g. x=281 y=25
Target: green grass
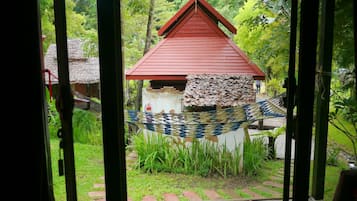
x=331 y=180
x=140 y=184
x=90 y=170
x=336 y=136
x=265 y=194
x=242 y=194
x=270 y=168
x=223 y=194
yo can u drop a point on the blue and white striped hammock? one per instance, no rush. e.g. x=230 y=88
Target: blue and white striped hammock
x=205 y=124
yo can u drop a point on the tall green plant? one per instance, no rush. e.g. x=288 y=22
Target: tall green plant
x=254 y=157
x=344 y=105
x=86 y=127
x=272 y=136
x=54 y=123
x=169 y=154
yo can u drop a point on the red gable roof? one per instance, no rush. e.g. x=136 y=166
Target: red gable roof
x=192 y=5
x=193 y=44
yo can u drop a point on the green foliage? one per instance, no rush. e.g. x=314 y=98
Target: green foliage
x=54 y=122
x=47 y=23
x=90 y=171
x=274 y=87
x=86 y=127
x=274 y=133
x=254 y=157
x=343 y=33
x=263 y=34
x=344 y=107
x=159 y=153
x=272 y=136
x=88 y=166
x=333 y=155
x=76 y=25
x=87 y=8
x=96 y=100
x=134 y=24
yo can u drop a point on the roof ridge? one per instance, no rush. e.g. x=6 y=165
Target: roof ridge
x=171 y=24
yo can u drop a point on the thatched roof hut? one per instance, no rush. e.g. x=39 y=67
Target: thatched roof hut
x=82 y=70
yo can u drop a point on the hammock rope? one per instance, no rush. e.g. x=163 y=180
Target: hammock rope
x=208 y=123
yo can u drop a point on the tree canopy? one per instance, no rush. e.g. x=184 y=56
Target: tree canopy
x=263 y=29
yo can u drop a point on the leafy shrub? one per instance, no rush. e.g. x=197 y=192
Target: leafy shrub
x=54 y=122
x=86 y=127
x=332 y=156
x=160 y=153
x=254 y=157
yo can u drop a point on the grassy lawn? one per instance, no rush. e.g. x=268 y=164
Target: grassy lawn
x=336 y=136
x=331 y=180
x=90 y=171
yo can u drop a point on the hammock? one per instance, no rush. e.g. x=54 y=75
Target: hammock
x=205 y=124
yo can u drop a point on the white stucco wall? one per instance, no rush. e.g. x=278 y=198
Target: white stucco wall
x=165 y=99
x=280 y=145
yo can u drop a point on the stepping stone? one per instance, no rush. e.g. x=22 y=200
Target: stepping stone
x=170 y=197
x=252 y=193
x=192 y=196
x=280 y=173
x=212 y=195
x=277 y=178
x=232 y=193
x=129 y=199
x=149 y=198
x=274 y=194
x=97 y=194
x=99 y=185
x=273 y=184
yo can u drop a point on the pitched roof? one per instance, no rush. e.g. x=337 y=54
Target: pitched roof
x=82 y=69
x=202 y=4
x=193 y=44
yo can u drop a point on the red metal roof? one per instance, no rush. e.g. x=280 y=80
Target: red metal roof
x=194 y=45
x=192 y=5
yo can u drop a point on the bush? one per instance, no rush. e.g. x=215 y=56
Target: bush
x=254 y=157
x=87 y=127
x=332 y=156
x=161 y=153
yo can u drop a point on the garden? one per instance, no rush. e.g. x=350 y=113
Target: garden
x=159 y=164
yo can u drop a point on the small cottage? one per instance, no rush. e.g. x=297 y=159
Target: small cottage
x=196 y=66
x=83 y=71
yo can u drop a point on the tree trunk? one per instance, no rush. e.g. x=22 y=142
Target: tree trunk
x=140 y=83
x=271 y=148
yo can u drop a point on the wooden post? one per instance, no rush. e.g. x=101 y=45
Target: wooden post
x=305 y=97
x=291 y=88
x=65 y=102
x=111 y=73
x=31 y=173
x=246 y=133
x=323 y=98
